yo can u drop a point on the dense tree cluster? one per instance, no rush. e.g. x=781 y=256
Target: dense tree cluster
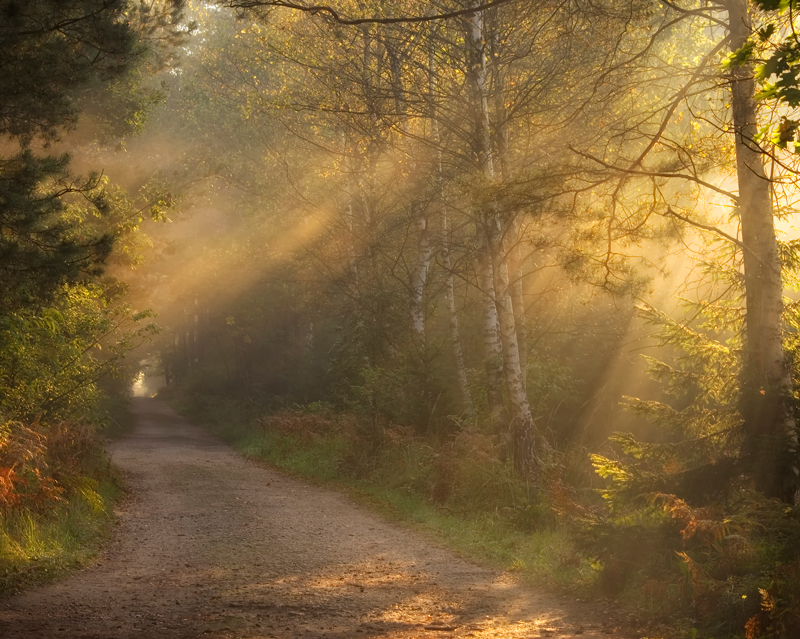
x=450 y=216
x=57 y=229
x=448 y=223
x=455 y=177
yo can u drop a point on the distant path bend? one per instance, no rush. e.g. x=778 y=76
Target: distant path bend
x=212 y=545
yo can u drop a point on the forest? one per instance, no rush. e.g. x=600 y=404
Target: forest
x=532 y=266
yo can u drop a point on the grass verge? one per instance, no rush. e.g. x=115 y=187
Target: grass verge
x=682 y=571
x=38 y=546
x=458 y=493
x=57 y=506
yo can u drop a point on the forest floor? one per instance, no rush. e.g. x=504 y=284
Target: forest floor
x=210 y=544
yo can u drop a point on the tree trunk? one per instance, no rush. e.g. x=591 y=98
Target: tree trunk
x=497 y=283
x=523 y=436
x=476 y=81
x=770 y=431
x=518 y=300
x=512 y=231
x=350 y=215
x=420 y=275
x=467 y=404
x=492 y=348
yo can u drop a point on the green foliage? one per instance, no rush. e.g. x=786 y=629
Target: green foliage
x=38 y=546
x=50 y=48
x=51 y=360
x=41 y=246
x=59 y=335
x=62 y=325
x=698 y=435
x=53 y=56
x=695 y=433
x=740 y=56
x=681 y=518
x=774 y=50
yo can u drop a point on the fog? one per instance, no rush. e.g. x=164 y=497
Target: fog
x=310 y=197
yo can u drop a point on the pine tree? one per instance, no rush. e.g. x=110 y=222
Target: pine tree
x=54 y=55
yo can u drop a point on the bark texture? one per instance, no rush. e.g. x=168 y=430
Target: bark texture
x=522 y=430
x=770 y=430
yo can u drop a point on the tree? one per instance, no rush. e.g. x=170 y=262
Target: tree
x=766 y=393
x=682 y=145
x=375 y=129
x=51 y=54
x=57 y=312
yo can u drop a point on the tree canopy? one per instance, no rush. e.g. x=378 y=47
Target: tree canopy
x=446 y=222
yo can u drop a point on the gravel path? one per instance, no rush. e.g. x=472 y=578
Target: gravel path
x=212 y=545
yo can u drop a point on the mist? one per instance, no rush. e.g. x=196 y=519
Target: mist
x=532 y=265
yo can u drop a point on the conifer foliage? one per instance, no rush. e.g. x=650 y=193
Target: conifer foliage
x=57 y=230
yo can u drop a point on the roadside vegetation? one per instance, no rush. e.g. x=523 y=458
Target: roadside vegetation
x=459 y=490
x=527 y=275
x=583 y=529
x=423 y=259
x=62 y=525
x=66 y=323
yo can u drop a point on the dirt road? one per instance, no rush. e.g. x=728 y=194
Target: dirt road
x=212 y=545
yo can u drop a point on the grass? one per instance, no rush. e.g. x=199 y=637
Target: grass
x=485 y=515
x=543 y=557
x=37 y=547
x=45 y=537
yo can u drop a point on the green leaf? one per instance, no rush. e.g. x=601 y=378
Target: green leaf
x=791 y=96
x=765 y=33
x=775 y=65
x=740 y=56
x=768 y=92
x=773 y=5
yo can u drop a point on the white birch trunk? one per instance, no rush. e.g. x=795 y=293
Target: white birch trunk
x=522 y=435
x=420 y=275
x=518 y=299
x=492 y=346
x=522 y=426
x=504 y=162
x=476 y=80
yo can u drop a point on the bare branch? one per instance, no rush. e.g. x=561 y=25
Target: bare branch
x=334 y=15
x=678 y=98
x=663 y=174
x=705 y=227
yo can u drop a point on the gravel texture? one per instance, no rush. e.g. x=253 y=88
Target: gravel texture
x=213 y=545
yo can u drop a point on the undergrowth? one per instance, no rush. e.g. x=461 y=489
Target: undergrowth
x=57 y=491
x=690 y=571
x=38 y=546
